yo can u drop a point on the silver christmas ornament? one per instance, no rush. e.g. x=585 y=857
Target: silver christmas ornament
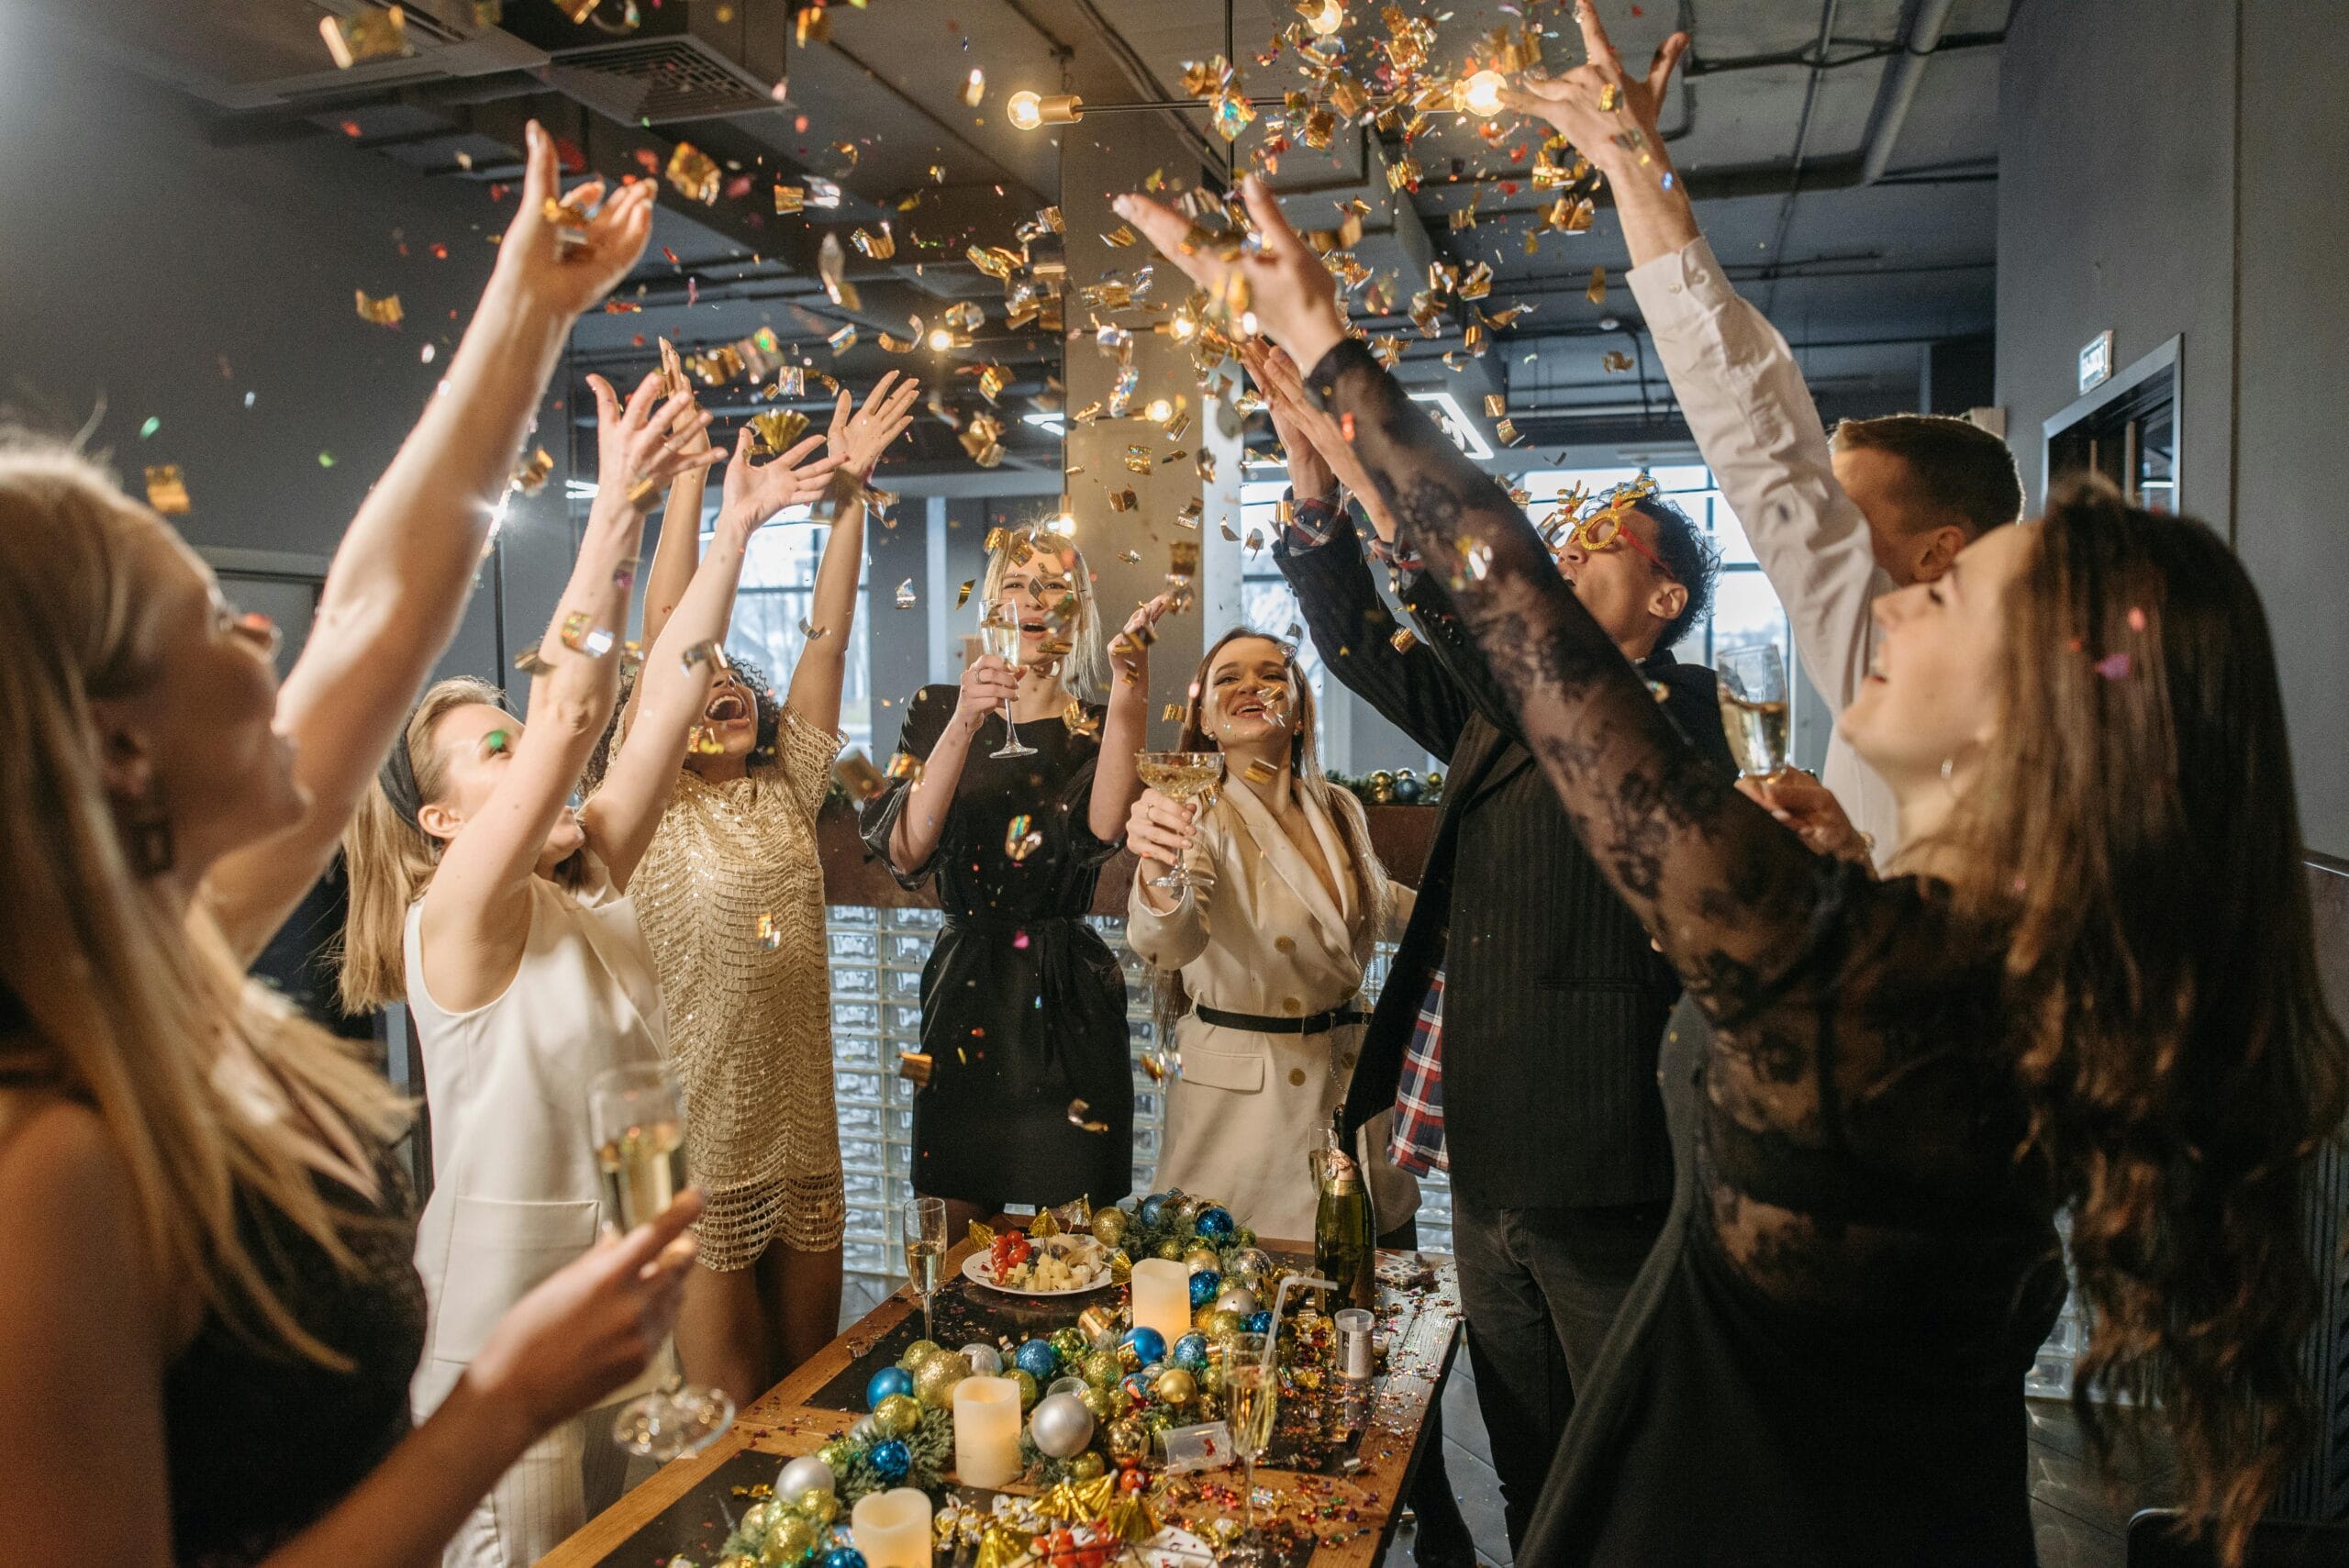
x=1061 y=1425
x=985 y=1359
x=1239 y=1299
x=806 y=1473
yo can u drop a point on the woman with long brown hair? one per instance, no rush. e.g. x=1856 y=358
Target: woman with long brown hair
x=1259 y=960
x=207 y=1312
x=2090 y=983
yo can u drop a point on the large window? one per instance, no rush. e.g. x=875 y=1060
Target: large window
x=778 y=587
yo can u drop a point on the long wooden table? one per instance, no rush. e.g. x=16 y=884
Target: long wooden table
x=1353 y=1514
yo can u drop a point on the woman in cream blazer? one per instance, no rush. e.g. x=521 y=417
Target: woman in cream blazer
x=1260 y=963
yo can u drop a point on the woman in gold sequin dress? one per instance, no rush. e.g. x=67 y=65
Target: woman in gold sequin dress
x=731 y=897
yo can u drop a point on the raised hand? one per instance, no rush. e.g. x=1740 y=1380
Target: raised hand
x=1610 y=116
x=1160 y=829
x=644 y=445
x=987 y=683
x=568 y=268
x=755 y=492
x=1310 y=475
x=1130 y=650
x=1292 y=294
x=857 y=440
x=1800 y=802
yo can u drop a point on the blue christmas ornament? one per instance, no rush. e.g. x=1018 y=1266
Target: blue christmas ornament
x=1149 y=1344
x=1150 y=1207
x=1213 y=1222
x=887 y=1381
x=1190 y=1351
x=1038 y=1359
x=1205 y=1285
x=1260 y=1322
x=843 y=1557
x=891 y=1458
x=1137 y=1385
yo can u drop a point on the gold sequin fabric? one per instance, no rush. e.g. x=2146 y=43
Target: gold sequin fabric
x=731 y=897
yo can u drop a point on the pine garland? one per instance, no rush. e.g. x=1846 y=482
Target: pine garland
x=930 y=1446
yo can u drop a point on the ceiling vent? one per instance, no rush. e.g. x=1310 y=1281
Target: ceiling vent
x=687 y=60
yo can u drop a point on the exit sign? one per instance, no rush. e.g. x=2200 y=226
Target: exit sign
x=2096 y=361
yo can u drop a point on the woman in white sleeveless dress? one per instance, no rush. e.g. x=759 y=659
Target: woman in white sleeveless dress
x=500 y=916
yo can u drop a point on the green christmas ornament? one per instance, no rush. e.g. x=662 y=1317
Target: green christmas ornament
x=897 y=1415
x=1223 y=1323
x=837 y=1456
x=1210 y=1378
x=1171 y=1250
x=1086 y=1466
x=1100 y=1401
x=917 y=1352
x=792 y=1538
x=1027 y=1389
x=934 y=1380
x=1101 y=1368
x=754 y=1519
x=1071 y=1344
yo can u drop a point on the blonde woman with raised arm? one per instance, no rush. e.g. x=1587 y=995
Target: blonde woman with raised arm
x=502 y=918
x=730 y=895
x=209 y=1315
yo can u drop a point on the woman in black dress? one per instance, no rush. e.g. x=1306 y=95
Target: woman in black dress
x=1902 y=1081
x=1023 y=1004
x=209 y=1313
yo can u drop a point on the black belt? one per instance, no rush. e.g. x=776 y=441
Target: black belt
x=1312 y=1023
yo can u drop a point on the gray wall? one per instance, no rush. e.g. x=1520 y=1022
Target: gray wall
x=2167 y=168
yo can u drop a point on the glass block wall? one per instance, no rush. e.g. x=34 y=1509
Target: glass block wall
x=877 y=956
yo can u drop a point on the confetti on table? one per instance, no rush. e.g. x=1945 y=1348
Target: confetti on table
x=166 y=491
x=383 y=312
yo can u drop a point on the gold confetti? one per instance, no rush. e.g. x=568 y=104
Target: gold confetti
x=531 y=664
x=1507 y=430
x=843 y=340
x=1122 y=500
x=1173 y=713
x=878 y=247
x=1080 y=1115
x=1138 y=458
x=904 y=766
x=1120 y=238
x=580 y=635
x=962 y=594
x=166 y=491
x=578 y=10
x=975 y=88
x=367 y=35
x=856 y=774
x=530 y=475
x=1403 y=639
x=1609 y=97
x=1019 y=841
x=383 y=312
x=777 y=429
x=848 y=151
x=706 y=653
x=1495 y=404
x=790 y=198
x=905 y=596
x=810 y=631
x=769 y=932
x=831 y=264
x=694 y=174
x=701 y=740
x=914 y=1066
x=1597 y=292
x=1615 y=362
x=1260 y=772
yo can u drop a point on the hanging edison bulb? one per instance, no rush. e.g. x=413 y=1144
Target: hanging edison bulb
x=1323 y=17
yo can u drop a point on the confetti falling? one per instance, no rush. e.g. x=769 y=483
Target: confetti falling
x=857 y=775
x=769 y=932
x=580 y=635
x=370 y=35
x=530 y=475
x=1020 y=839
x=1080 y=1115
x=707 y=652
x=166 y=490
x=962 y=594
x=907 y=598
x=383 y=312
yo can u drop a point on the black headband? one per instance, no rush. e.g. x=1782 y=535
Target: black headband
x=398 y=775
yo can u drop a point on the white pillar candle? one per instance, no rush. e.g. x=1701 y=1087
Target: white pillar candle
x=986 y=1431
x=891 y=1528
x=1162 y=1297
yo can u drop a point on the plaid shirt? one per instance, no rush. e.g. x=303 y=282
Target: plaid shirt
x=1313 y=522
x=1417 y=1144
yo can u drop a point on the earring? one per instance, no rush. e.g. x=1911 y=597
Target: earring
x=152 y=849
x=1949 y=766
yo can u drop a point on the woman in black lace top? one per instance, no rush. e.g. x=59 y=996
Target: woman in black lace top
x=208 y=1312
x=1904 y=1080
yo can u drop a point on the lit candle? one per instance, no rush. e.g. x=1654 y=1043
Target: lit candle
x=986 y=1431
x=891 y=1528
x=1162 y=1297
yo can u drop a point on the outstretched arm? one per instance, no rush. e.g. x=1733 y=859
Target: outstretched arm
x=1116 y=780
x=405 y=567
x=622 y=817
x=856 y=443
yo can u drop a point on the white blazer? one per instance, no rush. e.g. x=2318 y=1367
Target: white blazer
x=515 y=1190
x=1258 y=933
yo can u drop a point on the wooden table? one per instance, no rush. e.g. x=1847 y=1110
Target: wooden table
x=1418 y=1318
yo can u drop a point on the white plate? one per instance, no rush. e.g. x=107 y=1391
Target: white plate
x=975 y=1268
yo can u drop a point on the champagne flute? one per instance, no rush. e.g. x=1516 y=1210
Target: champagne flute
x=1186 y=776
x=1250 y=1397
x=999 y=635
x=922 y=1223
x=638 y=1125
x=1752 y=686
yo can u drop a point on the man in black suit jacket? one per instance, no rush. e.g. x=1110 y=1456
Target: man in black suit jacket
x=1551 y=998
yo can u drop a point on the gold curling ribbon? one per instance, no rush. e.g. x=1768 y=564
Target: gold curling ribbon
x=982 y=1235
x=1132 y=1519
x=1002 y=1546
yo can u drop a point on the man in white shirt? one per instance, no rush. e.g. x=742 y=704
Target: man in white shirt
x=1888 y=502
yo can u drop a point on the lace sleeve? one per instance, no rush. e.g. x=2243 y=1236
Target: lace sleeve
x=1727 y=892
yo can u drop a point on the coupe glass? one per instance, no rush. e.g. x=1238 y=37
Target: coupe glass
x=1186 y=776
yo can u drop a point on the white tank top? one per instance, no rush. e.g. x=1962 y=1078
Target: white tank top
x=515 y=1193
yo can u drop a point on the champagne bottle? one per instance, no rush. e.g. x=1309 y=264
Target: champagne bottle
x=1344 y=1249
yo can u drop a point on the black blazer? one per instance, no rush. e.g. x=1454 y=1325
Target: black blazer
x=1554 y=999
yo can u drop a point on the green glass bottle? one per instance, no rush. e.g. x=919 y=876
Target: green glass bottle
x=1345 y=1251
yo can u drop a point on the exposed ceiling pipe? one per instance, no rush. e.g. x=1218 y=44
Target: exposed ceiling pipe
x=1901 y=86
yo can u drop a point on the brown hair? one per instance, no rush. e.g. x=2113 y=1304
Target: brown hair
x=1169 y=998
x=2138 y=847
x=1957 y=469
x=392 y=860
x=137 y=1011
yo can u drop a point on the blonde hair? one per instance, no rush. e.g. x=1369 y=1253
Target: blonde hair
x=1170 y=997
x=1085 y=669
x=391 y=860
x=137 y=1011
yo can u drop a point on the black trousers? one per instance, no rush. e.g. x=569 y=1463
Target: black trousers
x=1540 y=1288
